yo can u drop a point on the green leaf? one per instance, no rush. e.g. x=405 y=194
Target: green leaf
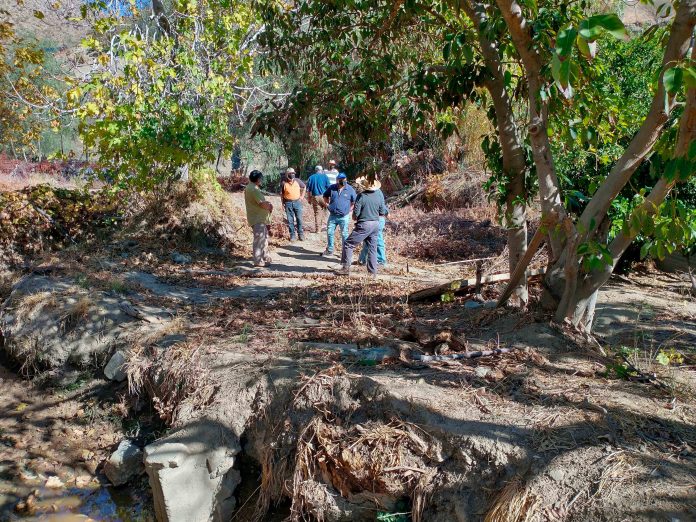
x=38 y=14
x=690 y=77
x=556 y=68
x=588 y=49
x=672 y=79
x=662 y=358
x=591 y=28
x=564 y=41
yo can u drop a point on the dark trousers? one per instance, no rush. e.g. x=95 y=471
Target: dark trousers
x=293 y=211
x=366 y=231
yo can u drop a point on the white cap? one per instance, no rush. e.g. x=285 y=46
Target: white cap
x=318 y=168
x=290 y=170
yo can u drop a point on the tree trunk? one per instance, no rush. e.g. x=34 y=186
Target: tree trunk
x=589 y=284
x=549 y=187
x=514 y=164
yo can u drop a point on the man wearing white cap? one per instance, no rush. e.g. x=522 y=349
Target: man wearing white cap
x=332 y=173
x=292 y=191
x=317 y=184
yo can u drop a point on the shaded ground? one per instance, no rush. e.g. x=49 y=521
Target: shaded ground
x=553 y=429
x=51 y=448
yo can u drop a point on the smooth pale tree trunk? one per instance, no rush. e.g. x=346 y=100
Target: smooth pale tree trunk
x=513 y=159
x=549 y=187
x=573 y=289
x=583 y=311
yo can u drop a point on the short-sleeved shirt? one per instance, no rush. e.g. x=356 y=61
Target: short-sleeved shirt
x=340 y=199
x=370 y=206
x=332 y=174
x=256 y=215
x=318 y=183
x=294 y=187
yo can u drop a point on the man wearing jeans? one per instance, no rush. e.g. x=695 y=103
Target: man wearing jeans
x=292 y=191
x=368 y=207
x=340 y=198
x=258 y=212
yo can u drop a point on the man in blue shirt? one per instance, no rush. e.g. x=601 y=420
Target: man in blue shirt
x=340 y=198
x=317 y=184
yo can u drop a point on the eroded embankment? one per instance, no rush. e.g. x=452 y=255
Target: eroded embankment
x=263 y=428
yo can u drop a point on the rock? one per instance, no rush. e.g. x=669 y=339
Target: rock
x=170 y=340
x=114 y=369
x=180 y=259
x=124 y=464
x=557 y=475
x=482 y=371
x=472 y=304
x=53 y=324
x=191 y=474
x=54 y=483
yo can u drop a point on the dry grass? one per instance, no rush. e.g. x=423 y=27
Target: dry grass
x=32 y=303
x=170 y=376
x=444 y=235
x=7 y=281
x=378 y=459
x=514 y=503
x=77 y=313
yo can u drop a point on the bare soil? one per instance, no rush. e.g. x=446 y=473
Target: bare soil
x=553 y=430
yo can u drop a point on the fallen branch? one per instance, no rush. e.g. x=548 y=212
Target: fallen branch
x=459 y=285
x=524 y=261
x=465 y=355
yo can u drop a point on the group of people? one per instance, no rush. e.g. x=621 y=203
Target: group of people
x=329 y=192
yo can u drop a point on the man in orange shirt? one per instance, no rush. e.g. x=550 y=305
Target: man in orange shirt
x=292 y=192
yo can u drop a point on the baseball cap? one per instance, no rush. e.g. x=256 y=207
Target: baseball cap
x=290 y=170
x=341 y=175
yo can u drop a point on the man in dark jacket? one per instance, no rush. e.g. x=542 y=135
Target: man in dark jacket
x=369 y=206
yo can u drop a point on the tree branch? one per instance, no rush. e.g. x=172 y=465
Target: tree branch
x=649 y=132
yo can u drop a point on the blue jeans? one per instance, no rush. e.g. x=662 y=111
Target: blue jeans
x=334 y=221
x=293 y=211
x=381 y=249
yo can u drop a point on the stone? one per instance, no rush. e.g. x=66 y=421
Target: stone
x=60 y=327
x=191 y=475
x=482 y=371
x=125 y=463
x=114 y=369
x=472 y=304
x=54 y=483
x=557 y=475
x=180 y=259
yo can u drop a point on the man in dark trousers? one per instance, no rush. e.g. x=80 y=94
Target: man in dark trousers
x=292 y=192
x=368 y=207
